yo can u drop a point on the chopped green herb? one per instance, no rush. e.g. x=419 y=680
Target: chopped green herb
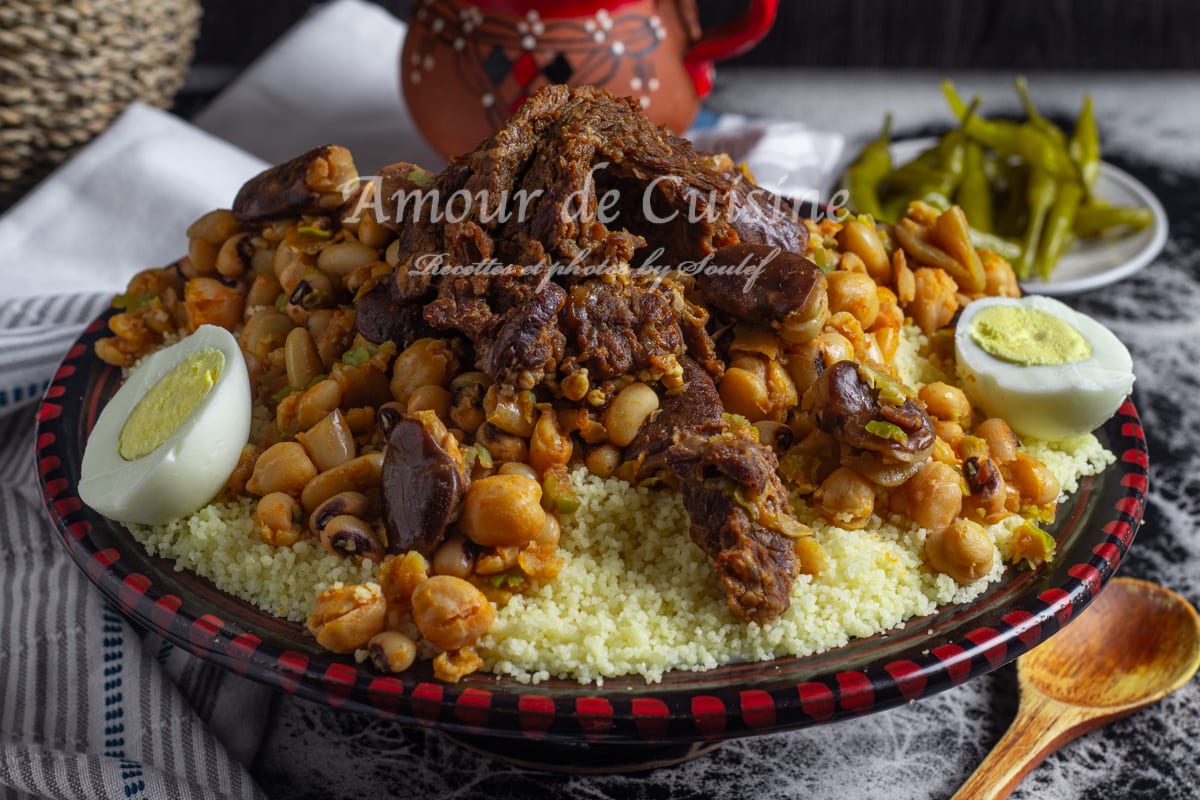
x=886 y=430
x=313 y=230
x=135 y=302
x=280 y=301
x=357 y=356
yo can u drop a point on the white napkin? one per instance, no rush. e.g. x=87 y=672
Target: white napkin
x=120 y=205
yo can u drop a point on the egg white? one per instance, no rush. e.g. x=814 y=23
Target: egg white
x=1054 y=401
x=188 y=469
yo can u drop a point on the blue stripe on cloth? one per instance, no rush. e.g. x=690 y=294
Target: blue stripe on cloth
x=113 y=645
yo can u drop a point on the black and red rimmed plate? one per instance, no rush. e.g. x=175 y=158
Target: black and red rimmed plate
x=929 y=654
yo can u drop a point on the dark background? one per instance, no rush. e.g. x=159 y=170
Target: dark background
x=936 y=34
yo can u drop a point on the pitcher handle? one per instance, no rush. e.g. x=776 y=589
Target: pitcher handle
x=728 y=40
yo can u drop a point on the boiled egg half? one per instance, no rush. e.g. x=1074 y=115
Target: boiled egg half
x=1050 y=371
x=172 y=434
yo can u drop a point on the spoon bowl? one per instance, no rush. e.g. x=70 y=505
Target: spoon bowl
x=1136 y=643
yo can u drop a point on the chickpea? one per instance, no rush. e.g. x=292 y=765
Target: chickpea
x=853 y=292
x=282 y=467
x=277 y=519
x=846 y=498
x=963 y=551
x=946 y=402
x=503 y=510
x=999 y=278
x=744 y=393
x=933 y=496
x=430 y=398
x=450 y=612
x=346 y=616
x=863 y=240
x=424 y=362
x=207 y=300
x=549 y=445
x=935 y=298
x=503 y=447
x=629 y=411
x=949 y=433
x=1002 y=442
x=1033 y=479
x=399 y=577
x=392 y=651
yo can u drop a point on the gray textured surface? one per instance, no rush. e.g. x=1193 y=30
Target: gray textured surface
x=1151 y=126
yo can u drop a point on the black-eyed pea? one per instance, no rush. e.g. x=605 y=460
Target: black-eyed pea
x=1033 y=479
x=354 y=503
x=317 y=401
x=1002 y=442
x=351 y=537
x=450 y=612
x=342 y=258
x=301 y=359
x=628 y=412
x=392 y=651
x=454 y=556
x=603 y=460
x=283 y=467
x=330 y=442
x=503 y=447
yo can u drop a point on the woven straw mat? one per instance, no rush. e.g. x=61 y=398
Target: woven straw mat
x=68 y=67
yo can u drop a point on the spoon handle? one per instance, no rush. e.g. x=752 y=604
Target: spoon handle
x=1042 y=725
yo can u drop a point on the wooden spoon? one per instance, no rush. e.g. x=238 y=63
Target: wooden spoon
x=1135 y=644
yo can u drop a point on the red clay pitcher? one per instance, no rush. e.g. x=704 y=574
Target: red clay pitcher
x=467 y=65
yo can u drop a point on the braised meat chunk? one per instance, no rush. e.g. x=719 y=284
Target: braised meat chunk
x=739 y=516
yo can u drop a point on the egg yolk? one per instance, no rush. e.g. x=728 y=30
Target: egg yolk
x=169 y=402
x=1028 y=337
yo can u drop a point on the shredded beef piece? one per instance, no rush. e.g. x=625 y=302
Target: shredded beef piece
x=619 y=327
x=694 y=407
x=732 y=493
x=380 y=319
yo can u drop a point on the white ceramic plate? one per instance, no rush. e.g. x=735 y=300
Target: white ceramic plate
x=1097 y=262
